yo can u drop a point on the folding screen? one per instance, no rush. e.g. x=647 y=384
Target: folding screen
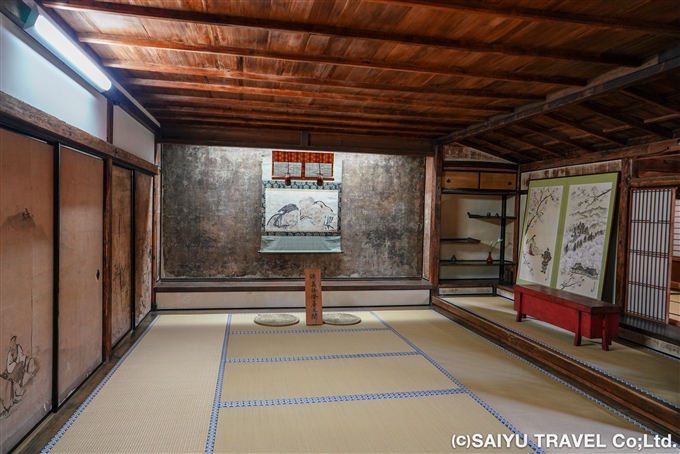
x=80 y=273
x=26 y=284
x=121 y=252
x=143 y=247
x=566 y=232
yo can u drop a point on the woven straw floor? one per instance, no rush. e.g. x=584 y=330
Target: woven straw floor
x=406 y=385
x=653 y=372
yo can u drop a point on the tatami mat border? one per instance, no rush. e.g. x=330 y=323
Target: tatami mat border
x=317 y=358
x=568 y=385
x=326 y=399
x=486 y=406
x=578 y=360
x=212 y=430
x=306 y=331
x=92 y=395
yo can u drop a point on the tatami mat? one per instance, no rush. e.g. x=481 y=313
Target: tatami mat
x=413 y=425
x=532 y=401
x=161 y=397
x=333 y=377
x=244 y=322
x=310 y=344
x=655 y=373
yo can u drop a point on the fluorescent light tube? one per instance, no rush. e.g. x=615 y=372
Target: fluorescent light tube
x=49 y=35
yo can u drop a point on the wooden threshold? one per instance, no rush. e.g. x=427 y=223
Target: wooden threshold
x=286 y=285
x=641 y=404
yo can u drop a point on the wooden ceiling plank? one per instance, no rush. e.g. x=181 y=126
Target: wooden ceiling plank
x=663 y=66
x=529 y=142
x=557 y=136
x=542 y=15
x=180 y=85
x=585 y=128
x=197 y=17
x=490 y=150
x=146 y=98
x=627 y=119
x=650 y=98
x=233 y=74
x=519 y=154
x=113 y=40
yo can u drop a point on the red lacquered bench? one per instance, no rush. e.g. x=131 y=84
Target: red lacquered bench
x=581 y=315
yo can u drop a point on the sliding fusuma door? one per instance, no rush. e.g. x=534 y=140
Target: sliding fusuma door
x=26 y=284
x=80 y=268
x=121 y=253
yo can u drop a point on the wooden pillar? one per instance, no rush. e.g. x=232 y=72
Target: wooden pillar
x=155 y=228
x=107 y=297
x=432 y=212
x=109 y=121
x=623 y=232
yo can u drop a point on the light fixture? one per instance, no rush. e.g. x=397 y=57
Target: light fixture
x=43 y=29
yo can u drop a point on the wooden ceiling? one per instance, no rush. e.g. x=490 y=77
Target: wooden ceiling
x=527 y=80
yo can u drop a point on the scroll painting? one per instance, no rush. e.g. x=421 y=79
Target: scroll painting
x=301 y=218
x=566 y=233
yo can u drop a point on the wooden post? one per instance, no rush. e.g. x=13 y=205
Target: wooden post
x=313 y=296
x=107 y=289
x=623 y=230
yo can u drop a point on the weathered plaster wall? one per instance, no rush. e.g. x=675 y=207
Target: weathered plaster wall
x=211 y=217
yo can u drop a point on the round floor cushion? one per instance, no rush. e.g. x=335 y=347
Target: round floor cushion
x=337 y=318
x=276 y=319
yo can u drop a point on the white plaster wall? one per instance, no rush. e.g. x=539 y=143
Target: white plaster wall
x=131 y=136
x=245 y=300
x=32 y=74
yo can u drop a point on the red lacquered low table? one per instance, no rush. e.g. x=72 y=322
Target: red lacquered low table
x=581 y=315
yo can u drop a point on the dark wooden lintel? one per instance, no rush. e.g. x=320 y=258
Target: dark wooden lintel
x=660 y=148
x=665 y=164
x=18 y=114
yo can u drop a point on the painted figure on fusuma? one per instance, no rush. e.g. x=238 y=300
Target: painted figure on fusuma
x=16 y=377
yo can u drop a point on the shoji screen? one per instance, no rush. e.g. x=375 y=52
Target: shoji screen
x=26 y=284
x=80 y=268
x=649 y=254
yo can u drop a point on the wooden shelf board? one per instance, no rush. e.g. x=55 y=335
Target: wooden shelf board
x=477 y=191
x=483 y=216
x=474 y=263
x=451 y=283
x=459 y=240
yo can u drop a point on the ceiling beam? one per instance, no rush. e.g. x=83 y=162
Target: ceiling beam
x=529 y=142
x=225 y=113
x=197 y=17
x=201 y=120
x=650 y=98
x=113 y=40
x=243 y=75
x=289 y=139
x=541 y=15
x=627 y=119
x=557 y=136
x=585 y=128
x=660 y=148
x=151 y=99
x=667 y=61
x=180 y=85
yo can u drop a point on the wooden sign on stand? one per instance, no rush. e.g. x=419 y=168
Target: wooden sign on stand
x=313 y=296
